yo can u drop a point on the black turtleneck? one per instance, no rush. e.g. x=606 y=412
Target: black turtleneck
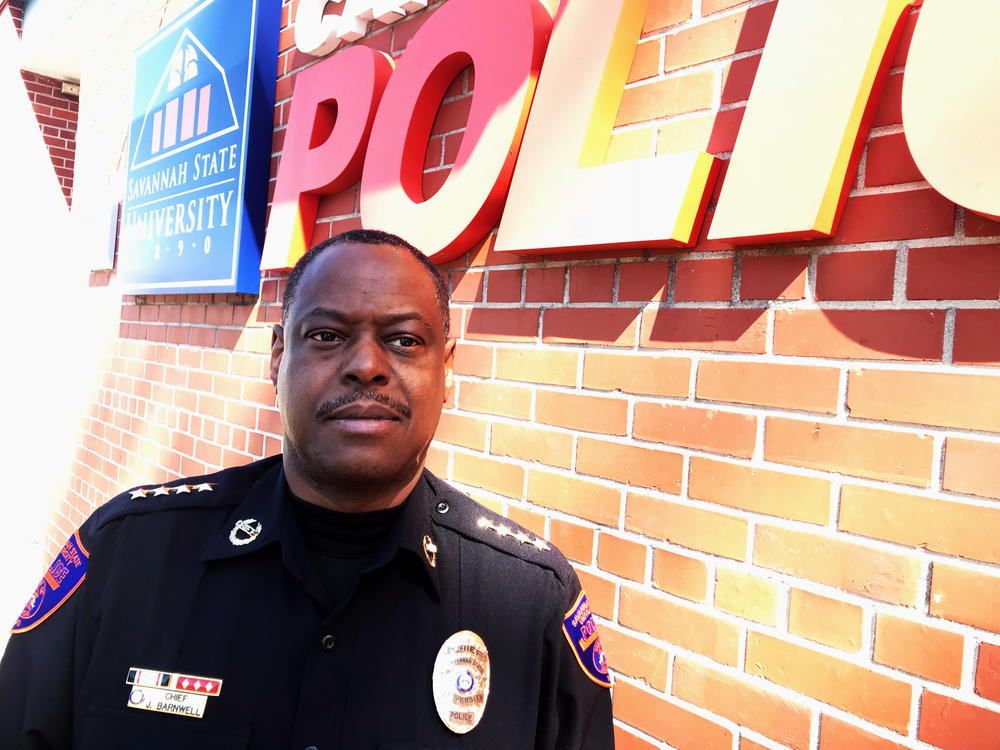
x=341 y=545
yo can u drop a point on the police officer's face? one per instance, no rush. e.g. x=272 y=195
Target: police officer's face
x=361 y=369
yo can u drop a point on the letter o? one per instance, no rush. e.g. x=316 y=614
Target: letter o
x=505 y=42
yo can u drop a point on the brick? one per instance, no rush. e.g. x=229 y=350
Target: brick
x=591 y=283
x=865 y=275
x=970 y=402
x=766 y=384
x=869 y=695
x=743 y=703
x=738 y=32
x=573 y=540
x=504 y=286
x=714 y=132
x=892 y=456
x=493 y=398
x=532 y=444
x=687 y=628
x=621 y=557
x=666 y=721
x=746 y=596
x=760 y=490
x=600 y=593
x=532 y=521
x=634 y=465
x=577 y=412
x=705 y=280
x=835 y=734
x=907 y=215
x=969 y=467
x=725 y=330
x=577 y=497
x=538 y=366
x=459 y=429
x=473 y=359
x=666 y=97
x=919 y=649
x=452 y=115
x=694 y=427
x=631 y=144
x=467 y=286
x=966 y=596
x=988 y=672
x=950 y=724
x=635 y=657
x=637 y=373
x=977 y=225
x=828 y=621
x=663 y=13
x=680 y=575
x=975 y=340
x=613 y=326
x=737 y=76
x=502 y=325
x=860 y=334
x=855 y=568
x=694 y=528
x=889 y=161
x=627 y=741
x=643 y=282
x=505 y=479
x=953 y=272
x=774 y=277
x=544 y=284
x=954 y=528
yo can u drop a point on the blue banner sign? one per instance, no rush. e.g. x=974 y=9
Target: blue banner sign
x=199 y=147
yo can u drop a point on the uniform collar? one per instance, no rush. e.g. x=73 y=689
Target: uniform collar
x=266 y=506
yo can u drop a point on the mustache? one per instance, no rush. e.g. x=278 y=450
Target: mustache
x=327 y=407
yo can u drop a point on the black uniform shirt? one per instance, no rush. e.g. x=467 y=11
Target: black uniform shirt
x=209 y=579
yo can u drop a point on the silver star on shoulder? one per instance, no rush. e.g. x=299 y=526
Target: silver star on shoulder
x=203 y=487
x=182 y=488
x=503 y=530
x=139 y=493
x=161 y=491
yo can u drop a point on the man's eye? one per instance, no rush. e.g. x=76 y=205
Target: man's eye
x=405 y=342
x=327 y=337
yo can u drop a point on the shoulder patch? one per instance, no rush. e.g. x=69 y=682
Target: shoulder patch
x=581 y=632
x=62 y=578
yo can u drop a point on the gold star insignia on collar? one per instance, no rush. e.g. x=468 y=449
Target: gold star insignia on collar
x=430 y=551
x=503 y=530
x=139 y=493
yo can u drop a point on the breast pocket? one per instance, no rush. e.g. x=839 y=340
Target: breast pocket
x=157 y=733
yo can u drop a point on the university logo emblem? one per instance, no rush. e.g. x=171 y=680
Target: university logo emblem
x=191 y=105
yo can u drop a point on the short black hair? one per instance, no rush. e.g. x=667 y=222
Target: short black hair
x=368 y=237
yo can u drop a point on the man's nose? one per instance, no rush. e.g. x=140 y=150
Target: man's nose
x=366 y=362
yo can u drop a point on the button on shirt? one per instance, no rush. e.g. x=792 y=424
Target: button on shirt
x=168 y=591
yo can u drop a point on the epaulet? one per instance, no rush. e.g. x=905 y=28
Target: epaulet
x=478 y=523
x=220 y=488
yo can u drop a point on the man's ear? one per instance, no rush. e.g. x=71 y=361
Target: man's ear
x=449 y=368
x=277 y=349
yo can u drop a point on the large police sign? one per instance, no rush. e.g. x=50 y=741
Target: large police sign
x=199 y=145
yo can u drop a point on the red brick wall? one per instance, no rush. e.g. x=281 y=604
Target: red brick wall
x=55 y=112
x=772 y=466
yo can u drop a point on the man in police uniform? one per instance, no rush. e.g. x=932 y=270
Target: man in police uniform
x=338 y=596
